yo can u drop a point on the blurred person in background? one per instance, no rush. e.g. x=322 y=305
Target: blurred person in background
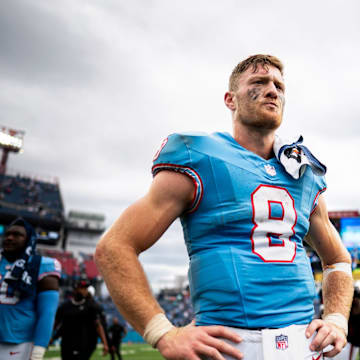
x=90 y=298
x=116 y=333
x=29 y=294
x=76 y=322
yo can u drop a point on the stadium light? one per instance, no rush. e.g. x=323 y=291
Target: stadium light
x=10 y=141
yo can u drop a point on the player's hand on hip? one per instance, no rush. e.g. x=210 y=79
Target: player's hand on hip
x=199 y=342
x=327 y=334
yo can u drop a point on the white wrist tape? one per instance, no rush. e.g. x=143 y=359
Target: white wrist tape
x=158 y=326
x=339 y=320
x=37 y=353
x=344 y=267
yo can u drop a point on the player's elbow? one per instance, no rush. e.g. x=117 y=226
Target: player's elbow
x=109 y=248
x=102 y=252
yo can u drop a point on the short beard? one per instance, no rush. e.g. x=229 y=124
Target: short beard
x=262 y=122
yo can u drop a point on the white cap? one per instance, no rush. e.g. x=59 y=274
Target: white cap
x=91 y=290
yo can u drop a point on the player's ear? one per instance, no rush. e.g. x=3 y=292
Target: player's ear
x=229 y=99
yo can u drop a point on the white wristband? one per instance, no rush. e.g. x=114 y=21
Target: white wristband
x=344 y=267
x=158 y=326
x=37 y=353
x=337 y=319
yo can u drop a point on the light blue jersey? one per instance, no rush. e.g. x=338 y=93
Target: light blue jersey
x=244 y=232
x=18 y=316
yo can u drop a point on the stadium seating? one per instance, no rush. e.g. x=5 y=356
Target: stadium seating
x=69 y=264
x=30 y=198
x=177 y=305
x=91 y=269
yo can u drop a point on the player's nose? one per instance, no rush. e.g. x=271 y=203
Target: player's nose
x=271 y=91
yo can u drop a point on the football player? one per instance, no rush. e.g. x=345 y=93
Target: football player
x=245 y=208
x=29 y=285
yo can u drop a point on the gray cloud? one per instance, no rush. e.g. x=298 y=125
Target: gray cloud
x=40 y=45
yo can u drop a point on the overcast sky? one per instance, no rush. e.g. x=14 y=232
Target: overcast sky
x=97 y=85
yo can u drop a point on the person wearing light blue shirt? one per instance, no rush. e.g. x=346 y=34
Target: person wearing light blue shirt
x=246 y=201
x=29 y=285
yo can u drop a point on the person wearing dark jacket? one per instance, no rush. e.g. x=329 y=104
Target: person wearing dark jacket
x=78 y=319
x=116 y=333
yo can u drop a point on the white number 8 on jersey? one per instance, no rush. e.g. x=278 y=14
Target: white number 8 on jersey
x=270 y=236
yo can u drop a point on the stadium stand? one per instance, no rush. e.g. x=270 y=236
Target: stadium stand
x=83 y=231
x=177 y=305
x=91 y=270
x=33 y=199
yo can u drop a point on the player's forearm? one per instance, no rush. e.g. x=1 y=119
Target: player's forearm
x=136 y=230
x=337 y=293
x=126 y=282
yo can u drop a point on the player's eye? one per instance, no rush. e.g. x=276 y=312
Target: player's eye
x=13 y=233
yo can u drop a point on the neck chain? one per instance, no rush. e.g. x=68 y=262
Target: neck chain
x=80 y=302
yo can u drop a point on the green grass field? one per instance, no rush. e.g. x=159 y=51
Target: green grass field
x=129 y=352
